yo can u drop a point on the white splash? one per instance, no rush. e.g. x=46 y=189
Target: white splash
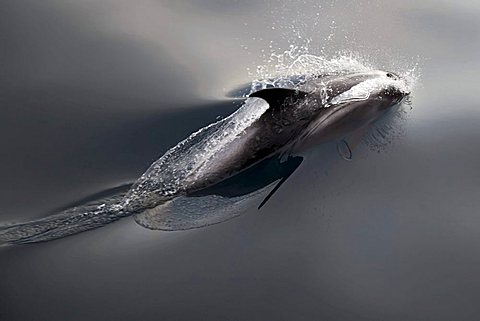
x=296 y=66
x=292 y=69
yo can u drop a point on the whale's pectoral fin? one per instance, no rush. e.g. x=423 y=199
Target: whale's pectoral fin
x=348 y=144
x=276 y=97
x=291 y=165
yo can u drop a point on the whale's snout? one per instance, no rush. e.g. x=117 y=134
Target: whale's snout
x=396 y=95
x=397 y=91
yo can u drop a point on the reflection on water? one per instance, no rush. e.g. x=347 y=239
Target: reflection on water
x=92 y=92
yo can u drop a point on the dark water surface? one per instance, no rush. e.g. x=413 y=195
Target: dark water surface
x=92 y=92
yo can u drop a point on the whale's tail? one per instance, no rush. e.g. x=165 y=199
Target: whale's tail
x=68 y=222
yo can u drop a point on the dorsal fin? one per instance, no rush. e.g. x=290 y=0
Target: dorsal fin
x=276 y=97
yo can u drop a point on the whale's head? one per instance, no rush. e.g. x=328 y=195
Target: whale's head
x=385 y=87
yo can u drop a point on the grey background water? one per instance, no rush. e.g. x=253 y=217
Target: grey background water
x=91 y=92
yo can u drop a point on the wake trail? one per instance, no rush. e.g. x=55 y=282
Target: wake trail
x=68 y=222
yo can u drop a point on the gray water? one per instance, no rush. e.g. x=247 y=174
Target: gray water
x=92 y=92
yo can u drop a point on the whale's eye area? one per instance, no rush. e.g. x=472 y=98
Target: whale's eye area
x=392 y=75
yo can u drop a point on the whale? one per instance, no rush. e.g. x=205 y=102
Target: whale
x=323 y=109
x=266 y=137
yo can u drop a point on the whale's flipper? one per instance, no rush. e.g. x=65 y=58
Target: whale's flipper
x=274 y=169
x=346 y=145
x=276 y=97
x=262 y=174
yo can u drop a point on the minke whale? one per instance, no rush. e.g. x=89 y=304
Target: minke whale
x=213 y=174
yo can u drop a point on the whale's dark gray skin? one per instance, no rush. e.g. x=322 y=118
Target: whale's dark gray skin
x=324 y=108
x=296 y=120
